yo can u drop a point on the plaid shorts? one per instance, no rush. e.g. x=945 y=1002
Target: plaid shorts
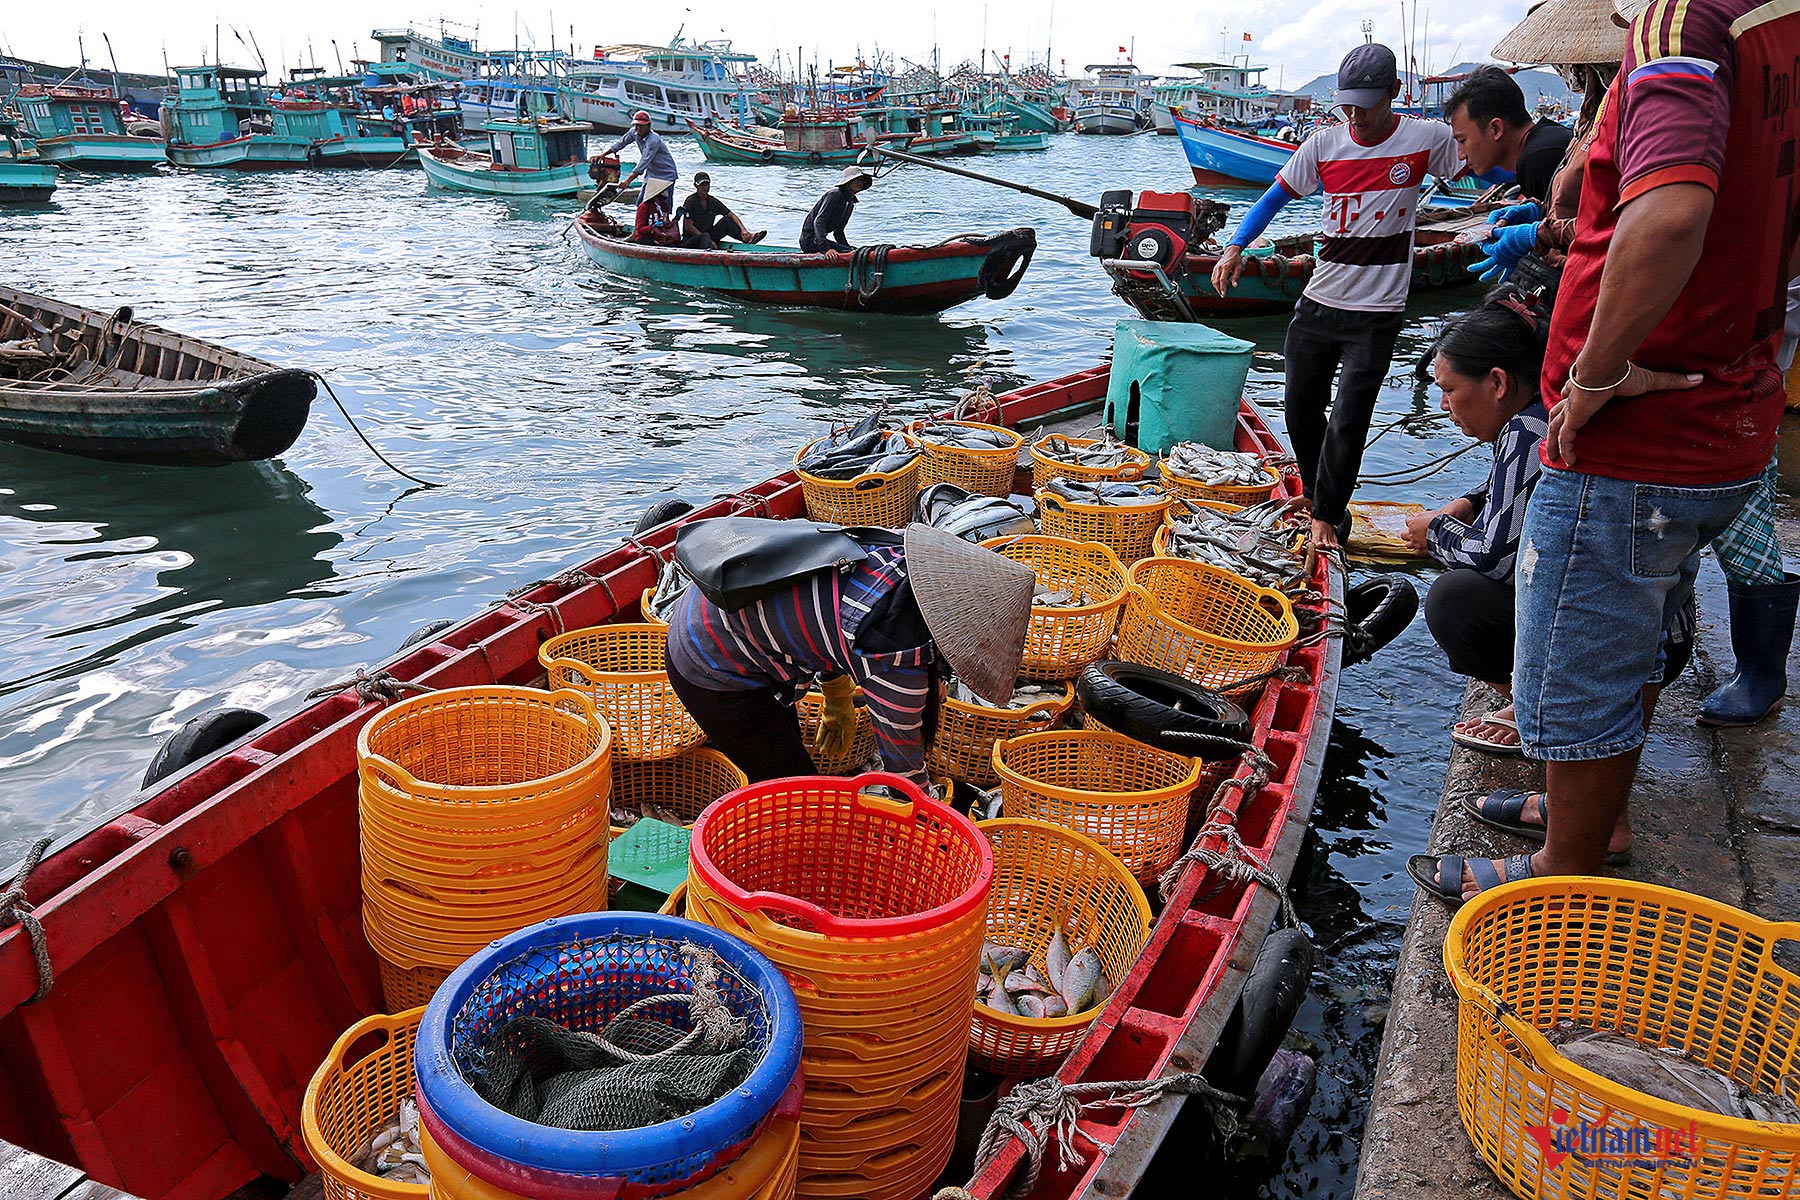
x=1748 y=550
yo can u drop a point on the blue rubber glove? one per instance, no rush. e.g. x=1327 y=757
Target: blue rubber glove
x=1517 y=214
x=1504 y=250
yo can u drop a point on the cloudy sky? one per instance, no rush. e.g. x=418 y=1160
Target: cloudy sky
x=1298 y=39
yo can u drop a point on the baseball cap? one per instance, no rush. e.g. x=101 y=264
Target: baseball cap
x=1367 y=76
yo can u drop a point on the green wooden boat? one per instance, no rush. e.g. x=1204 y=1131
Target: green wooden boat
x=884 y=279
x=83 y=127
x=23 y=178
x=104 y=386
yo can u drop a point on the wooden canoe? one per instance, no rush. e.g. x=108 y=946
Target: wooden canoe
x=207 y=942
x=105 y=386
x=888 y=279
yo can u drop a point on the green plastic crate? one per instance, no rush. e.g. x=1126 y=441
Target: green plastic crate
x=652 y=855
x=1175 y=383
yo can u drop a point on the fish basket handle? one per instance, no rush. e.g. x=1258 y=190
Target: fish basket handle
x=1132 y=469
x=1050 y=500
x=1273 y=603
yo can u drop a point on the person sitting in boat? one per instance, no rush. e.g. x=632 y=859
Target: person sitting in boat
x=825 y=224
x=895 y=624
x=657 y=166
x=705 y=221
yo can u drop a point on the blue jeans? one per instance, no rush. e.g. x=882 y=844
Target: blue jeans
x=1606 y=566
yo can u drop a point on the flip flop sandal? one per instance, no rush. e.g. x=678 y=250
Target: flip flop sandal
x=1441 y=874
x=1505 y=810
x=1487 y=746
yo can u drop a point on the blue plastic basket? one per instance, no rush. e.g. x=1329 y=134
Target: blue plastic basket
x=581 y=971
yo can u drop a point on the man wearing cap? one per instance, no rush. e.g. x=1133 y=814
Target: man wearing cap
x=894 y=625
x=656 y=204
x=705 y=221
x=1666 y=399
x=1371 y=169
x=824 y=228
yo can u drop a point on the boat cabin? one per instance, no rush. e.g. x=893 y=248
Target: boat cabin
x=809 y=133
x=537 y=145
x=216 y=104
x=71 y=112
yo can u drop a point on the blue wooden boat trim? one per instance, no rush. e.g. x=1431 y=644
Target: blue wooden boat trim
x=1220 y=156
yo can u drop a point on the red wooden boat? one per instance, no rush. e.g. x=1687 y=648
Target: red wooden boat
x=207 y=945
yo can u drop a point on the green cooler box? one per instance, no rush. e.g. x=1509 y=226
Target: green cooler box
x=1175 y=383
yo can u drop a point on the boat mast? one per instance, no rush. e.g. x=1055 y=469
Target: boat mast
x=118 y=88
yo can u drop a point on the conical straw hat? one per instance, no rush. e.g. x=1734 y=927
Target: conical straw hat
x=1626 y=11
x=1565 y=31
x=977 y=605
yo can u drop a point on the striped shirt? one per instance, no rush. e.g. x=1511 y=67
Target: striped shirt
x=1371 y=206
x=1490 y=542
x=786 y=640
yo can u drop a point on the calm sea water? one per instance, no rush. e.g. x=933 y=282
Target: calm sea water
x=479 y=347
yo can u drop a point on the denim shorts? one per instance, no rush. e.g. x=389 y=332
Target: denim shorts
x=1606 y=568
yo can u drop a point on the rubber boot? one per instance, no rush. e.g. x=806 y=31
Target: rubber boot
x=1762 y=632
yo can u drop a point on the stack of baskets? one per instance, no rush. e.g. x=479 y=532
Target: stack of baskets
x=985 y=471
x=1204 y=624
x=883 y=500
x=584 y=973
x=622 y=669
x=483 y=810
x=875 y=908
x=1061 y=642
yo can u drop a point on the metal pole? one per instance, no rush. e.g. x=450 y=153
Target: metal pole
x=1080 y=208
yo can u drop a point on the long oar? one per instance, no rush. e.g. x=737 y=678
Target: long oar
x=1080 y=208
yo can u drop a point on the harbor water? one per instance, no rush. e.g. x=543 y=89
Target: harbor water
x=476 y=344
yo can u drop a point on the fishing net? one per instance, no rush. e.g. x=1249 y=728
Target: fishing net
x=655 y=1058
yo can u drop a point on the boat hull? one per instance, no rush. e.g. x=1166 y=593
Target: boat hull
x=1032 y=116
x=103 y=152
x=914 y=279
x=725 y=146
x=1108 y=119
x=464 y=177
x=207 y=942
x=1222 y=158
x=251 y=152
x=26 y=182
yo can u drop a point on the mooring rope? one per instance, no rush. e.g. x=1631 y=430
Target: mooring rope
x=1235 y=862
x=15 y=909
x=568 y=581
x=377 y=688
x=1418 y=472
x=365 y=438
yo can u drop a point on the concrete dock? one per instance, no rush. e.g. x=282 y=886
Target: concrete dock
x=1713 y=812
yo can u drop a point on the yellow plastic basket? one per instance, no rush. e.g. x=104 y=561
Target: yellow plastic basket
x=1659 y=966
x=853 y=761
x=985 y=472
x=1238 y=495
x=966 y=733
x=410 y=987
x=356 y=1091
x=1045 y=468
x=622 y=668
x=1126 y=529
x=683 y=785
x=1129 y=797
x=1204 y=624
x=885 y=501
x=1061 y=642
x=1048 y=878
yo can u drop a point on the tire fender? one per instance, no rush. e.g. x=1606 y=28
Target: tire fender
x=1376 y=612
x=205 y=734
x=1162 y=709
x=1272 y=995
x=815 y=158
x=661 y=512
x=426 y=632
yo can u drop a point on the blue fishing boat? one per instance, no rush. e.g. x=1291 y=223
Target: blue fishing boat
x=23 y=179
x=997 y=134
x=540 y=156
x=342 y=126
x=1226 y=158
x=220 y=117
x=86 y=128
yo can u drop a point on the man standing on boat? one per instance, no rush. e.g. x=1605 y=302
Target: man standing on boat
x=656 y=206
x=1371 y=168
x=825 y=224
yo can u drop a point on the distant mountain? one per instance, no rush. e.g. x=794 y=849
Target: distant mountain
x=1535 y=84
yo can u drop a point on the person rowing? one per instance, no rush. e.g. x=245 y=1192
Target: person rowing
x=825 y=224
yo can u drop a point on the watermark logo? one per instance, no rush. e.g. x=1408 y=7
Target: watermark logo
x=1634 y=1145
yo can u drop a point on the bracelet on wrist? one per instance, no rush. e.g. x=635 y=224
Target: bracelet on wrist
x=1582 y=387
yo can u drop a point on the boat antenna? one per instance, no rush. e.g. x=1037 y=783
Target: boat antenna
x=259 y=54
x=118 y=88
x=338 y=55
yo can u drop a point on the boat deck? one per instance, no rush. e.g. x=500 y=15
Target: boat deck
x=28 y=1176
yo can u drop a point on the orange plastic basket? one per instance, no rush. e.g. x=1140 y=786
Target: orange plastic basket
x=1126 y=530
x=985 y=472
x=1659 y=966
x=966 y=733
x=1207 y=625
x=681 y=786
x=885 y=501
x=650 y=618
x=356 y=1091
x=1061 y=642
x=622 y=667
x=1044 y=468
x=1301 y=548
x=410 y=987
x=1047 y=878
x=1212 y=774
x=873 y=908
x=1129 y=797
x=853 y=761
x=1238 y=495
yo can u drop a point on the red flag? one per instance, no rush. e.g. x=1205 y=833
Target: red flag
x=1121 y=49
x=1247 y=37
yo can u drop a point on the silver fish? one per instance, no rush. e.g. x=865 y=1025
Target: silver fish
x=1119 y=493
x=1216 y=468
x=1081 y=979
x=670 y=585
x=1056 y=960
x=1032 y=1006
x=998 y=960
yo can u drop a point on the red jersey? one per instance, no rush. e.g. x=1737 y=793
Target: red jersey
x=1705 y=95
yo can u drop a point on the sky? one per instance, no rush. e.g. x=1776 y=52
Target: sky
x=1297 y=39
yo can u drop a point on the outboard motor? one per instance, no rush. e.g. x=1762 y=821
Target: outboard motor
x=1108 y=237
x=1161 y=228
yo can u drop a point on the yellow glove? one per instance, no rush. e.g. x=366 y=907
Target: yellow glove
x=837 y=720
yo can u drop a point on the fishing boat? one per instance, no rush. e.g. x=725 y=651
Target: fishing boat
x=885 y=279
x=543 y=156
x=104 y=385
x=502 y=97
x=834 y=137
x=1223 y=92
x=85 y=128
x=681 y=82
x=220 y=117
x=1000 y=135
x=1223 y=157
x=203 y=944
x=23 y=178
x=446 y=56
x=1114 y=99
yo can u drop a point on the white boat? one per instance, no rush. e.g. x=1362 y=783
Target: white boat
x=443 y=57
x=540 y=157
x=497 y=98
x=681 y=82
x=1225 y=93
x=1115 y=99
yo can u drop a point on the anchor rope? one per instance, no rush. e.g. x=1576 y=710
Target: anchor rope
x=365 y=437
x=377 y=688
x=568 y=580
x=15 y=909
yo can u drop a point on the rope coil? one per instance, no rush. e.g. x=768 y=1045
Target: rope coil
x=377 y=688
x=568 y=581
x=15 y=909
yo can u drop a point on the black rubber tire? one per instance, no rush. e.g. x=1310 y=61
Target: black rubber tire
x=210 y=731
x=661 y=513
x=1376 y=612
x=1147 y=705
x=426 y=632
x=768 y=155
x=1265 y=1009
x=815 y=158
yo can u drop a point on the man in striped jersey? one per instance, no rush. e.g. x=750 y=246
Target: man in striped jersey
x=1371 y=168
